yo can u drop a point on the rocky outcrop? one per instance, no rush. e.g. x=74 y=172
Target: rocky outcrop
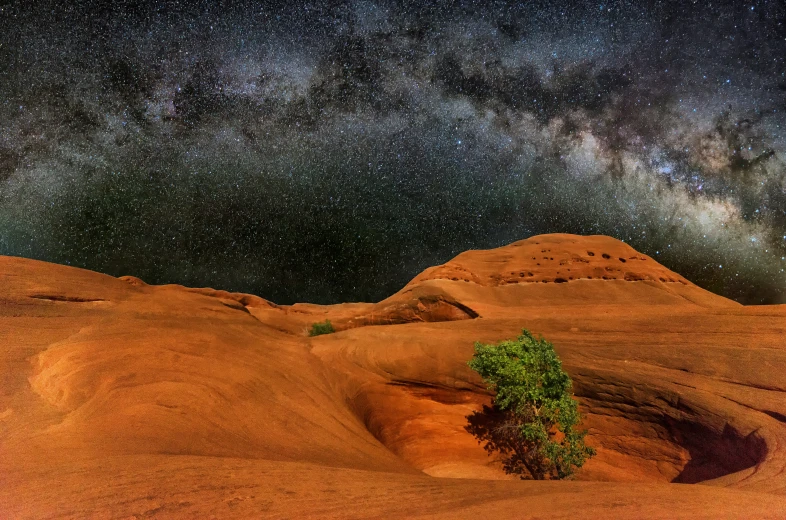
x=118 y=398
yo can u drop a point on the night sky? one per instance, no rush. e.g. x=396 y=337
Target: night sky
x=328 y=152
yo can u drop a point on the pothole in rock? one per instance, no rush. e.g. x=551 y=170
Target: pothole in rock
x=651 y=428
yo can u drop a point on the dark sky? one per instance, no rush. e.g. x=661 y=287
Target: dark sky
x=327 y=152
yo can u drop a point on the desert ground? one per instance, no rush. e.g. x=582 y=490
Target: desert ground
x=120 y=399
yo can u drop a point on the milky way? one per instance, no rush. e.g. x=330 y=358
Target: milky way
x=329 y=152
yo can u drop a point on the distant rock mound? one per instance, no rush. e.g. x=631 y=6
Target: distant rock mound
x=557 y=258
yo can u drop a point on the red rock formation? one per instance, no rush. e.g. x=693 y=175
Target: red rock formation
x=120 y=399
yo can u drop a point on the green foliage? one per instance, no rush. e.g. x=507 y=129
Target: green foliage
x=321 y=328
x=533 y=418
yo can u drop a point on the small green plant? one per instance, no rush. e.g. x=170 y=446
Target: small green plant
x=533 y=418
x=321 y=328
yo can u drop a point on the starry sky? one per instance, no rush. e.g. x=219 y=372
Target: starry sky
x=330 y=151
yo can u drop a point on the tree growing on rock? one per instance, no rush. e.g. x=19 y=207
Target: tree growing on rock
x=533 y=418
x=317 y=329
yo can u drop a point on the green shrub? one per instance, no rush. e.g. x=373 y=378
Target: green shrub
x=321 y=328
x=533 y=416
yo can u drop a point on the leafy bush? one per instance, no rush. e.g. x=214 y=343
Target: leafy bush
x=533 y=416
x=321 y=328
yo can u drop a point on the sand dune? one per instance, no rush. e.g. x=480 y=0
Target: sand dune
x=124 y=400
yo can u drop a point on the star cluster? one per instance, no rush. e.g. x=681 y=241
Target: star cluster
x=330 y=151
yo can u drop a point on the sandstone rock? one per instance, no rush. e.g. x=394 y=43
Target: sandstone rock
x=121 y=399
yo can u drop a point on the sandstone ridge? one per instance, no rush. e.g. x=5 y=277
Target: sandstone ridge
x=122 y=399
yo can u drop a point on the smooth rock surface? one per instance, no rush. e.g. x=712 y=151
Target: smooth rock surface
x=123 y=400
